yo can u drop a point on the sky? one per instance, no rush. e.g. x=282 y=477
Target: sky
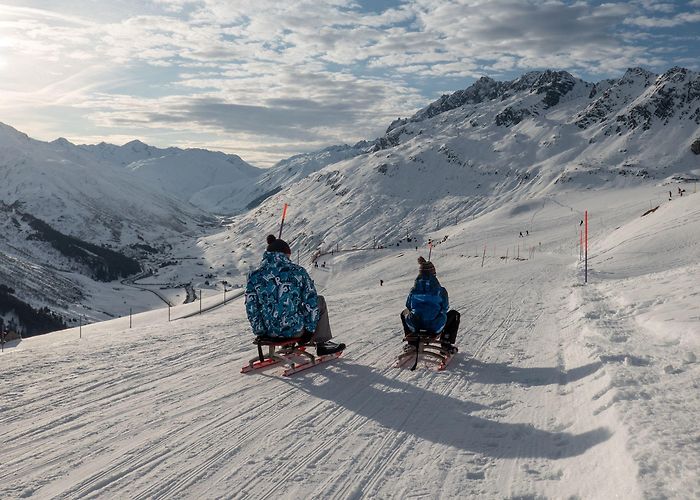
x=267 y=79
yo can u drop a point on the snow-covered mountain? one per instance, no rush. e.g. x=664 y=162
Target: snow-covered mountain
x=63 y=185
x=297 y=167
x=469 y=152
x=66 y=207
x=214 y=182
x=462 y=156
x=122 y=155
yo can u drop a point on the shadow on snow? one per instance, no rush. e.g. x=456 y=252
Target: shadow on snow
x=444 y=419
x=502 y=373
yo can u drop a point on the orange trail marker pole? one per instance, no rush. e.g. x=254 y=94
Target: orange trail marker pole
x=430 y=251
x=284 y=214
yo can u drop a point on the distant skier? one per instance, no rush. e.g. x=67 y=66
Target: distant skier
x=281 y=300
x=427 y=307
x=381 y=282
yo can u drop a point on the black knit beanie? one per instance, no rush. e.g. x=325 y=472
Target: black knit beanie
x=426 y=266
x=275 y=245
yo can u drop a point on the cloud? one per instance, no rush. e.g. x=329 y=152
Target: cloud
x=267 y=75
x=298 y=108
x=664 y=22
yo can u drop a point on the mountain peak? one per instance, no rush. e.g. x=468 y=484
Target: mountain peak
x=637 y=74
x=8 y=130
x=136 y=145
x=676 y=75
x=639 y=71
x=62 y=141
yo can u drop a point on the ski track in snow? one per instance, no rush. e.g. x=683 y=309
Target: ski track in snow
x=540 y=402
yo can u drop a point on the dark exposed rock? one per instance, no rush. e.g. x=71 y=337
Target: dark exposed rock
x=617 y=94
x=510 y=116
x=675 y=94
x=695 y=146
x=554 y=85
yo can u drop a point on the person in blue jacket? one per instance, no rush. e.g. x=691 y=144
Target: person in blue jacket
x=281 y=300
x=428 y=307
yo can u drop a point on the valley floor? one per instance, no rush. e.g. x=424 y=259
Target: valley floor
x=556 y=393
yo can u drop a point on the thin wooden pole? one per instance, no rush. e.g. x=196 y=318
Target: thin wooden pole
x=586 y=249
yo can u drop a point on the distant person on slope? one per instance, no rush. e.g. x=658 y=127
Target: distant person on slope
x=281 y=300
x=427 y=307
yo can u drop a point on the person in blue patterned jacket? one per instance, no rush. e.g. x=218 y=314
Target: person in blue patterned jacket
x=281 y=300
x=427 y=307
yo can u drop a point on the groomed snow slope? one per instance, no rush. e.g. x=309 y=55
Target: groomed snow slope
x=560 y=390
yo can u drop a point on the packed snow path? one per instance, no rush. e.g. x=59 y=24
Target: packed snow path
x=523 y=411
x=167 y=412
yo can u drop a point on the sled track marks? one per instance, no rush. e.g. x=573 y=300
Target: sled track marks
x=198 y=435
x=126 y=398
x=500 y=314
x=312 y=453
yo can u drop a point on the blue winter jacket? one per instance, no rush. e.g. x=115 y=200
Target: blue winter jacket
x=428 y=304
x=280 y=298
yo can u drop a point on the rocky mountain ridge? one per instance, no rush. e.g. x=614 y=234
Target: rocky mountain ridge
x=492 y=143
x=648 y=96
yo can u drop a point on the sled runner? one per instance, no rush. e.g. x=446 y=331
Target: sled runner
x=290 y=352
x=426 y=345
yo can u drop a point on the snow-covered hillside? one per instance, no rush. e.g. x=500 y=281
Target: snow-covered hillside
x=135 y=199
x=215 y=182
x=468 y=153
x=297 y=167
x=63 y=185
x=560 y=389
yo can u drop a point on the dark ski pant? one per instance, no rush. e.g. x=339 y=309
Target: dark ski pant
x=323 y=327
x=449 y=333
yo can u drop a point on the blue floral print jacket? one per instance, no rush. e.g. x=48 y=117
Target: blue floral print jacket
x=280 y=298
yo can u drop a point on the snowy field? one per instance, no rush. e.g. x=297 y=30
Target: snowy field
x=560 y=390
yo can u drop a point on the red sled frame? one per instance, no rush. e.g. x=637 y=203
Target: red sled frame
x=288 y=350
x=426 y=345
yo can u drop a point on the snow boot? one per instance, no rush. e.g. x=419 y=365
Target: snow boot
x=328 y=347
x=449 y=348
